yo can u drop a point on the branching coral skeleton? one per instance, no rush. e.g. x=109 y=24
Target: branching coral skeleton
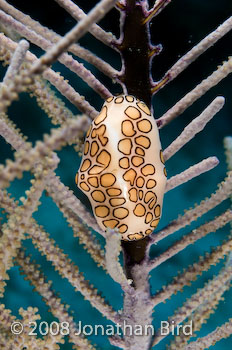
x=31 y=74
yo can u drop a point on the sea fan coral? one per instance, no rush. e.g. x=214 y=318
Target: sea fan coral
x=68 y=82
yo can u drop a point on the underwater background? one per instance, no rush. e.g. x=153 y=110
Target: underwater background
x=178 y=28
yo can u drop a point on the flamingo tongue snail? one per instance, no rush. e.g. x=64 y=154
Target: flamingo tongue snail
x=122 y=171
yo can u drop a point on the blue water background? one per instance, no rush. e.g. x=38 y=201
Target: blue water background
x=178 y=28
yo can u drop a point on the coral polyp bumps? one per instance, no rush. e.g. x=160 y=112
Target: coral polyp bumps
x=122 y=171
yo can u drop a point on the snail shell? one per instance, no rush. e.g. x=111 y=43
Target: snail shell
x=122 y=171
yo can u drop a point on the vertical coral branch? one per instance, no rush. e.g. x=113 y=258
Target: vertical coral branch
x=16 y=61
x=113 y=249
x=134 y=46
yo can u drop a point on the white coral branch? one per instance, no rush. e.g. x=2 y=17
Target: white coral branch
x=54 y=37
x=210 y=339
x=55 y=79
x=78 y=14
x=62 y=263
x=192 y=237
x=222 y=193
x=113 y=249
x=13 y=230
x=194 y=127
x=197 y=50
x=74 y=35
x=16 y=61
x=191 y=172
x=35 y=275
x=228 y=150
x=196 y=93
x=197 y=299
x=55 y=188
x=156 y=9
x=65 y=58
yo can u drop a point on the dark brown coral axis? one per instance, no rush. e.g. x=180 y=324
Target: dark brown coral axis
x=134 y=46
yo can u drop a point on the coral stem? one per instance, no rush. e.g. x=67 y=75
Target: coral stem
x=191 y=172
x=74 y=35
x=16 y=61
x=65 y=58
x=158 y=7
x=78 y=14
x=192 y=237
x=222 y=193
x=196 y=93
x=194 y=127
x=194 y=53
